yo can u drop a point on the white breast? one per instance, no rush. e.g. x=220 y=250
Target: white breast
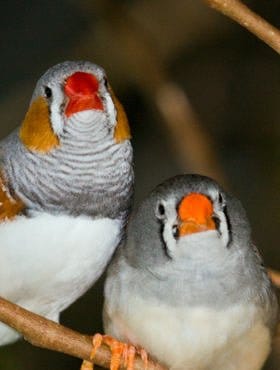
x=48 y=261
x=193 y=338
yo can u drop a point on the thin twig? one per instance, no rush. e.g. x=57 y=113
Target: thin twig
x=192 y=144
x=45 y=333
x=240 y=13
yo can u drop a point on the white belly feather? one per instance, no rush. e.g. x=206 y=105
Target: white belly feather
x=47 y=262
x=193 y=338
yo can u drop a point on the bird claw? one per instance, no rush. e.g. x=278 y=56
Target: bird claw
x=121 y=352
x=97 y=340
x=87 y=365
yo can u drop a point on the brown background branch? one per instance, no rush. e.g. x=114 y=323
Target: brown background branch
x=240 y=13
x=47 y=334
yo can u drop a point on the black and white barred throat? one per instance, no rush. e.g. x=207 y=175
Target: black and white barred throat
x=89 y=173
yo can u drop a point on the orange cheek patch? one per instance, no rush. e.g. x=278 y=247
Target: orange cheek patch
x=195 y=213
x=9 y=207
x=36 y=131
x=122 y=129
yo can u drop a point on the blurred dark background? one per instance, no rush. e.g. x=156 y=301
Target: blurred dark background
x=181 y=70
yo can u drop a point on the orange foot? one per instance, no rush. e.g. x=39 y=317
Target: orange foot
x=120 y=351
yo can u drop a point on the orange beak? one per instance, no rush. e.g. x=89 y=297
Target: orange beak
x=195 y=214
x=82 y=90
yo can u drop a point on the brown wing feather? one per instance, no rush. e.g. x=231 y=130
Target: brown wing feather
x=10 y=206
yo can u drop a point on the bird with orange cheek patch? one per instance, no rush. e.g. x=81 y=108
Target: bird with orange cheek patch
x=66 y=181
x=188 y=285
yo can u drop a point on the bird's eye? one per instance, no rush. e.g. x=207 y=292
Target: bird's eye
x=161 y=210
x=48 y=92
x=175 y=231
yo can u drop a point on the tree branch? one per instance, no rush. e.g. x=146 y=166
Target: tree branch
x=191 y=143
x=47 y=334
x=240 y=13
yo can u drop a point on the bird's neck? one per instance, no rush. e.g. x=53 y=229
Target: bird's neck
x=87 y=174
x=90 y=127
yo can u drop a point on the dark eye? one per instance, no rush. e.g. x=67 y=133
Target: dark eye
x=175 y=231
x=48 y=92
x=161 y=210
x=105 y=82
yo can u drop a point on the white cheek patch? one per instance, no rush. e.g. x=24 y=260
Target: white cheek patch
x=220 y=213
x=168 y=223
x=110 y=109
x=57 y=117
x=223 y=228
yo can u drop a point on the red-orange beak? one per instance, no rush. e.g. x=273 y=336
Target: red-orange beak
x=195 y=214
x=82 y=90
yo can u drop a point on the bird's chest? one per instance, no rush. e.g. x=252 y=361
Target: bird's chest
x=197 y=338
x=78 y=181
x=53 y=258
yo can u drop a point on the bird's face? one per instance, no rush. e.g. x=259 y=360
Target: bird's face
x=187 y=218
x=71 y=92
x=196 y=218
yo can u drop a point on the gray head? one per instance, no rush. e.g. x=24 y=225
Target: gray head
x=188 y=217
x=71 y=87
